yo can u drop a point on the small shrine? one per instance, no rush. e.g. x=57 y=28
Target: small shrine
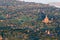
x=47 y=31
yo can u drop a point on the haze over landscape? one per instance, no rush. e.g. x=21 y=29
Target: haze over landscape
x=55 y=3
x=41 y=1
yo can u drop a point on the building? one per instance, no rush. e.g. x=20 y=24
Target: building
x=46 y=20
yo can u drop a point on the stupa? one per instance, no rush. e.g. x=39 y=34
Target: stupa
x=46 y=20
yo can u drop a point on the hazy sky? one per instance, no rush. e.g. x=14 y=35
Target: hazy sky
x=42 y=1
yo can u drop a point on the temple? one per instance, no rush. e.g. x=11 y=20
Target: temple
x=46 y=20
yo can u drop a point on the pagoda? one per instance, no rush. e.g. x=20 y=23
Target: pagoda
x=46 y=20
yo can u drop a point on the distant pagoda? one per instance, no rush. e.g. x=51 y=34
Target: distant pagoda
x=46 y=20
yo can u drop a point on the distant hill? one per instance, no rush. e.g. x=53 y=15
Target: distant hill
x=18 y=8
